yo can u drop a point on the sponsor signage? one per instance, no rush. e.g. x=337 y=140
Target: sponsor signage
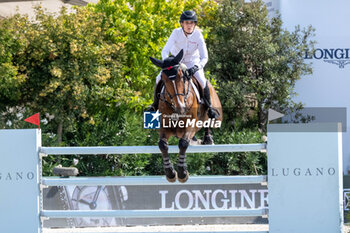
x=335 y=56
x=309 y=163
x=173 y=197
x=19 y=175
x=328 y=84
x=16 y=176
x=303 y=172
x=214 y=199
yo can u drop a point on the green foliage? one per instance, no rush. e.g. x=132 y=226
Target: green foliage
x=256 y=61
x=144 y=27
x=124 y=129
x=71 y=68
x=11 y=43
x=240 y=163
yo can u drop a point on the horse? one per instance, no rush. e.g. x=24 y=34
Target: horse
x=182 y=115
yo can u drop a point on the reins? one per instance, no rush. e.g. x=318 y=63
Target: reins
x=171 y=104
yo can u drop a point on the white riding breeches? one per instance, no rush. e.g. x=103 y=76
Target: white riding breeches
x=199 y=75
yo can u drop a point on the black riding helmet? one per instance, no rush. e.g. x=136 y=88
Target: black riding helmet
x=188 y=16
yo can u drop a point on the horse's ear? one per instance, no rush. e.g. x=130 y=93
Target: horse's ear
x=156 y=62
x=179 y=56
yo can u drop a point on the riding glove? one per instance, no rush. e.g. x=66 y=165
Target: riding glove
x=191 y=71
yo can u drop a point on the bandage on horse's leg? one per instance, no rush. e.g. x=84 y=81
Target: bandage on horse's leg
x=170 y=173
x=181 y=165
x=208 y=138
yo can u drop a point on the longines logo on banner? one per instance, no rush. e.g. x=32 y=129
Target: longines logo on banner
x=16 y=176
x=337 y=56
x=319 y=171
x=214 y=199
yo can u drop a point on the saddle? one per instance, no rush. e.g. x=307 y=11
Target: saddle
x=197 y=89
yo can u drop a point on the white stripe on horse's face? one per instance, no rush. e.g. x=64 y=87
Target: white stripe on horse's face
x=182 y=105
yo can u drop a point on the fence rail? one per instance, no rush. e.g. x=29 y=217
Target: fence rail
x=151 y=180
x=153 y=213
x=151 y=149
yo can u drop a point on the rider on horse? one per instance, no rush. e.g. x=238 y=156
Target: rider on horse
x=195 y=56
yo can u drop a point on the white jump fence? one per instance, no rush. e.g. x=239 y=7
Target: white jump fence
x=304 y=180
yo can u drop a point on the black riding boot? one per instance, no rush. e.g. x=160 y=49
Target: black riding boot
x=157 y=89
x=212 y=113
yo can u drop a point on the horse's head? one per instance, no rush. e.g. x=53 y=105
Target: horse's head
x=176 y=84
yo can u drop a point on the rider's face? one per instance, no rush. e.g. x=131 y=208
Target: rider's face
x=188 y=26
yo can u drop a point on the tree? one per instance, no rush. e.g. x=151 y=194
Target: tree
x=255 y=60
x=11 y=43
x=71 y=67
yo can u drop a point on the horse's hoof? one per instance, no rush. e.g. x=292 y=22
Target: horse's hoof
x=172 y=180
x=208 y=140
x=184 y=179
x=195 y=143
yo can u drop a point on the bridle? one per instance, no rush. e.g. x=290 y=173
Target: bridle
x=171 y=104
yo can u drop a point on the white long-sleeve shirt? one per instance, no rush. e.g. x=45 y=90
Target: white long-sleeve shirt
x=195 y=50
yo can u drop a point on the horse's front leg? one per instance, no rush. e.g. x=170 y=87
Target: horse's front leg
x=170 y=173
x=181 y=165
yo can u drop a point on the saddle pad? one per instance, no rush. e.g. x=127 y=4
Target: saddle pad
x=196 y=91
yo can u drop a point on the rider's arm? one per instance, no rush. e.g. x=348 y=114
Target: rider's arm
x=203 y=52
x=169 y=44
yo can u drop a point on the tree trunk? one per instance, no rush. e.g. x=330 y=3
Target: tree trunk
x=262 y=117
x=59 y=132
